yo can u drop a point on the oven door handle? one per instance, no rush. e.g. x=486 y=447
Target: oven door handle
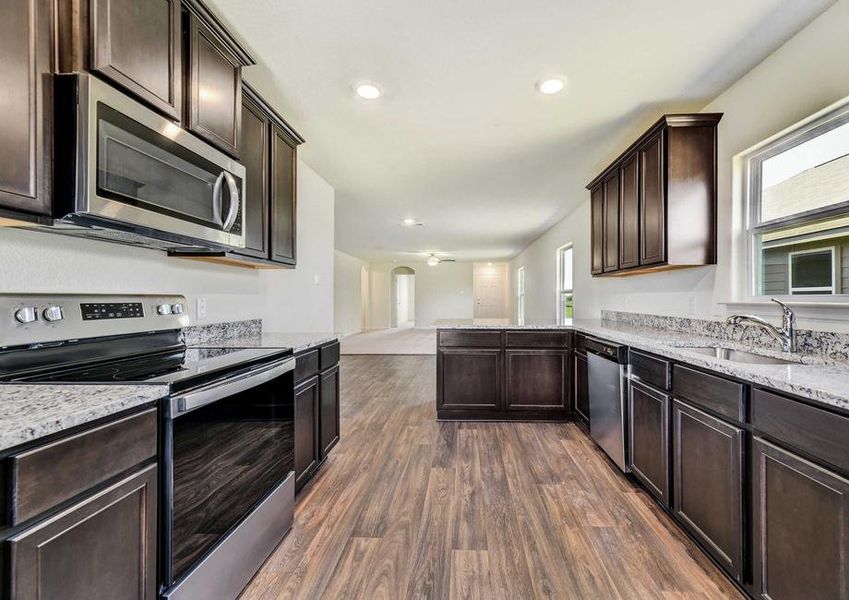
x=185 y=403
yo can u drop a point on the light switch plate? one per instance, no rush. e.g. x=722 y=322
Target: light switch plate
x=201 y=308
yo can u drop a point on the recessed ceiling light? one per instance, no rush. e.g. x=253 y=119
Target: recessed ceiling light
x=550 y=86
x=368 y=91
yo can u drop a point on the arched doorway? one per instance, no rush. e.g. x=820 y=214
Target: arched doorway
x=403 y=307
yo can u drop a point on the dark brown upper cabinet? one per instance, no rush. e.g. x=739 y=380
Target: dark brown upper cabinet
x=629 y=213
x=269 y=153
x=136 y=44
x=214 y=62
x=597 y=229
x=611 y=222
x=255 y=150
x=26 y=129
x=284 y=159
x=673 y=168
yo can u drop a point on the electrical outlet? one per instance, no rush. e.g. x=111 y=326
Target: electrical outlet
x=692 y=305
x=201 y=308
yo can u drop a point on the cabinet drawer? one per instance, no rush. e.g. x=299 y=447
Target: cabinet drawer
x=714 y=393
x=651 y=370
x=471 y=339
x=537 y=339
x=822 y=434
x=329 y=355
x=306 y=365
x=48 y=475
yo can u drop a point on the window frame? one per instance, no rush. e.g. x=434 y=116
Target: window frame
x=520 y=295
x=830 y=118
x=561 y=291
x=822 y=250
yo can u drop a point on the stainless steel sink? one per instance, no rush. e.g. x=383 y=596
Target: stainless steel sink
x=739 y=356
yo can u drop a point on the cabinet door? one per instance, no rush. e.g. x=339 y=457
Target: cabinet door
x=649 y=438
x=101 y=547
x=582 y=391
x=537 y=380
x=469 y=379
x=254 y=147
x=25 y=129
x=611 y=223
x=136 y=44
x=653 y=203
x=214 y=88
x=629 y=214
x=306 y=430
x=801 y=514
x=329 y=421
x=283 y=198
x=708 y=497
x=597 y=229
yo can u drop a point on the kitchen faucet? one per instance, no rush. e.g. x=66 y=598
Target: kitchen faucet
x=786 y=335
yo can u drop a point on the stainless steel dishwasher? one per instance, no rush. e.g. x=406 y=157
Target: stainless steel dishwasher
x=607 y=369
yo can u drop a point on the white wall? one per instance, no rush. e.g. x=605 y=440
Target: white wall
x=441 y=292
x=806 y=74
x=39 y=262
x=347 y=293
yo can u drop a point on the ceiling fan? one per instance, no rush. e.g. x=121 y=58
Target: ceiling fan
x=433 y=260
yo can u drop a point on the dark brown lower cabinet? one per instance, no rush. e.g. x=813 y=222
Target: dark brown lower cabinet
x=649 y=439
x=329 y=410
x=801 y=514
x=708 y=493
x=582 y=391
x=104 y=546
x=469 y=379
x=306 y=429
x=538 y=380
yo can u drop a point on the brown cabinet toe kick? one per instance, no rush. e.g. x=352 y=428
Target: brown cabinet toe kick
x=504 y=375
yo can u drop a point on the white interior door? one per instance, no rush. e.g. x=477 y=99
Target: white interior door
x=489 y=293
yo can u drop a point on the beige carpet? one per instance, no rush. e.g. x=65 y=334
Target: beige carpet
x=391 y=341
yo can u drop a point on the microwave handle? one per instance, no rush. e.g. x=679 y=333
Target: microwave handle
x=216 y=198
x=234 y=202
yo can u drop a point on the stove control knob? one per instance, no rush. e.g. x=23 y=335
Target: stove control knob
x=53 y=313
x=163 y=309
x=26 y=314
x=176 y=309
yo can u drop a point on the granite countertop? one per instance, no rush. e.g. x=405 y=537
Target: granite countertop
x=31 y=411
x=814 y=377
x=298 y=342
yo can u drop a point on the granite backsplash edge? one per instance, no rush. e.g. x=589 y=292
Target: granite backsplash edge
x=218 y=332
x=828 y=343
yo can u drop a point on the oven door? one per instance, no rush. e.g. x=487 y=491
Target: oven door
x=227 y=447
x=139 y=170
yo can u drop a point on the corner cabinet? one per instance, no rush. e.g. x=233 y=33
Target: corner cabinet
x=269 y=150
x=654 y=207
x=26 y=130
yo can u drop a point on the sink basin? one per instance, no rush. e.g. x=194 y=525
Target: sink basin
x=739 y=356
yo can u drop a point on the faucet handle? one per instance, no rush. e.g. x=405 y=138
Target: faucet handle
x=789 y=315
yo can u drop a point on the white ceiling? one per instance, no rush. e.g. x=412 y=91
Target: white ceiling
x=461 y=140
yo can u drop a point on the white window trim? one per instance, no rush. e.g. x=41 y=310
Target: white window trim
x=559 y=307
x=520 y=295
x=743 y=255
x=831 y=289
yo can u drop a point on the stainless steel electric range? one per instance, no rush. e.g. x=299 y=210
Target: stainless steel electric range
x=226 y=430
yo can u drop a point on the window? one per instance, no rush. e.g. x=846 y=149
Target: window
x=798 y=209
x=564 y=284
x=811 y=271
x=520 y=295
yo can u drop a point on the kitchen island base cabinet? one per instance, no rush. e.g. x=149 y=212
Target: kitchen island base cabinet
x=101 y=547
x=329 y=408
x=538 y=380
x=582 y=390
x=469 y=380
x=708 y=493
x=801 y=527
x=306 y=421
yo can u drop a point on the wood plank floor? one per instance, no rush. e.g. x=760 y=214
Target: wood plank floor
x=406 y=507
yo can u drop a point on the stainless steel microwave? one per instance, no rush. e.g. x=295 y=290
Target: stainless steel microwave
x=127 y=174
